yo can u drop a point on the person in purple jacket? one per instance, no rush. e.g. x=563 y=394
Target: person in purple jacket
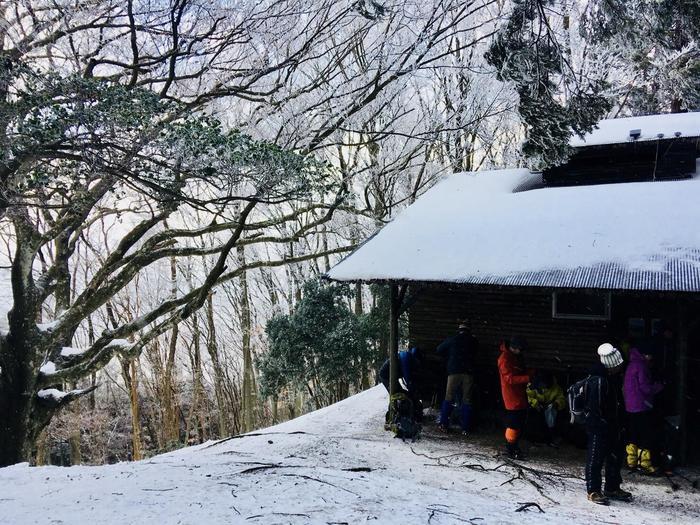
x=639 y=391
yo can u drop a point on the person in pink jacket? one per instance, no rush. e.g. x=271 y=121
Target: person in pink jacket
x=639 y=391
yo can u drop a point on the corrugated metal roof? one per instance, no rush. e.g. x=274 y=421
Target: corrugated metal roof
x=675 y=275
x=473 y=229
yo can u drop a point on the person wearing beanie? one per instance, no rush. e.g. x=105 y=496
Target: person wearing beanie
x=606 y=445
x=514 y=380
x=459 y=352
x=639 y=391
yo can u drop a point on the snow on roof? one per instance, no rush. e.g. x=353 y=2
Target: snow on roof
x=617 y=131
x=472 y=228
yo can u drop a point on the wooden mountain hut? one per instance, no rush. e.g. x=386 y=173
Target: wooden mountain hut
x=606 y=247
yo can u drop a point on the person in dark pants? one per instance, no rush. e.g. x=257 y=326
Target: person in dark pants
x=514 y=380
x=639 y=391
x=606 y=445
x=459 y=352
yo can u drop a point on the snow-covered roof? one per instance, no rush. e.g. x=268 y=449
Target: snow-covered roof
x=473 y=228
x=651 y=127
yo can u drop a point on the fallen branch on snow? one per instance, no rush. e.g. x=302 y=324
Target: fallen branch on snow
x=241 y=436
x=527 y=505
x=452 y=514
x=322 y=481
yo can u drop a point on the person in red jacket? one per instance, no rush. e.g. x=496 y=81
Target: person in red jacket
x=514 y=380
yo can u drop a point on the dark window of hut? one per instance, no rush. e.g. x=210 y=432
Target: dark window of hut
x=581 y=305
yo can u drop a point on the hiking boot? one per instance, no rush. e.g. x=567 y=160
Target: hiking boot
x=514 y=452
x=645 y=464
x=619 y=495
x=632 y=456
x=598 y=498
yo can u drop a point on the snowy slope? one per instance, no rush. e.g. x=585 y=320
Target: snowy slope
x=301 y=472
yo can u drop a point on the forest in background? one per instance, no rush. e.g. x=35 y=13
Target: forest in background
x=176 y=174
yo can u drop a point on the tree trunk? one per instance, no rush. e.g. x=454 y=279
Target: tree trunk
x=171 y=423
x=76 y=457
x=393 y=339
x=195 y=418
x=274 y=409
x=213 y=350
x=130 y=375
x=248 y=379
x=41 y=454
x=20 y=356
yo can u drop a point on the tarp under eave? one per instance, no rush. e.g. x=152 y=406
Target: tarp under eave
x=472 y=228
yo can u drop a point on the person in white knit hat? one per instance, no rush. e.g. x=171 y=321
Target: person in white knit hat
x=606 y=445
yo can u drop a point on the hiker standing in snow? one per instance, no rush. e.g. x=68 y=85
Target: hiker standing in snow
x=639 y=391
x=603 y=427
x=459 y=351
x=514 y=380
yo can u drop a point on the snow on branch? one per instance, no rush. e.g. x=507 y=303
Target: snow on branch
x=54 y=398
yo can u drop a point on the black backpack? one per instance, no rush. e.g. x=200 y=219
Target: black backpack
x=576 y=396
x=403 y=422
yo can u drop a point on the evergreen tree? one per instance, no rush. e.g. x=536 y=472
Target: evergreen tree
x=321 y=347
x=530 y=52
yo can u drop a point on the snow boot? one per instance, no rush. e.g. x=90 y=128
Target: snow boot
x=466 y=418
x=445 y=411
x=645 y=463
x=598 y=498
x=618 y=494
x=632 y=455
x=514 y=452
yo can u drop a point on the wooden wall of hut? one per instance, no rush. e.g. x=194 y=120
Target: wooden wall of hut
x=565 y=346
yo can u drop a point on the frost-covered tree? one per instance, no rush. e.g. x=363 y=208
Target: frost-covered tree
x=653 y=48
x=101 y=118
x=322 y=347
x=77 y=150
x=531 y=51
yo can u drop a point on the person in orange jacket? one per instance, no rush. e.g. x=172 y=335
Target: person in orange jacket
x=514 y=380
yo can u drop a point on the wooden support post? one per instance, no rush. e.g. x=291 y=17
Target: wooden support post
x=682 y=380
x=394 y=306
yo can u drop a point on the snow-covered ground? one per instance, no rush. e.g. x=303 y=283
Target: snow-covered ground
x=335 y=465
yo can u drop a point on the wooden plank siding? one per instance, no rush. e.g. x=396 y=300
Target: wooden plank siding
x=565 y=346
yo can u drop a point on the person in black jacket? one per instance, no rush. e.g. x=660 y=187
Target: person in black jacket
x=606 y=444
x=459 y=352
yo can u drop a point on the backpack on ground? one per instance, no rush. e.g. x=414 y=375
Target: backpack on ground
x=576 y=397
x=403 y=422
